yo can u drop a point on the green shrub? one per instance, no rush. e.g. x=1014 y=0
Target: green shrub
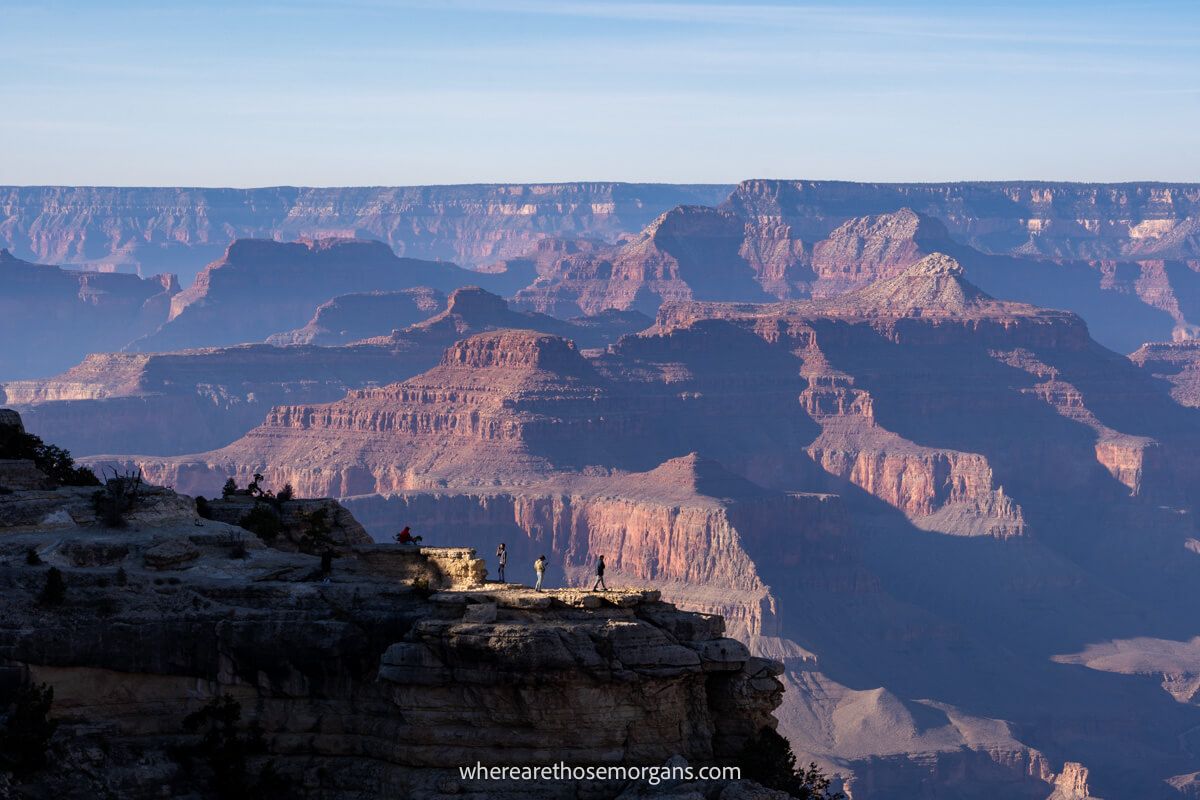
x=768 y=759
x=263 y=521
x=119 y=496
x=315 y=538
x=27 y=730
x=54 y=592
x=54 y=461
x=203 y=508
x=223 y=748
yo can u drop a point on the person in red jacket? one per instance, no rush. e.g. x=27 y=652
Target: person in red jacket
x=405 y=537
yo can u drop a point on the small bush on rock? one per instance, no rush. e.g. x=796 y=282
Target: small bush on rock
x=54 y=592
x=203 y=509
x=54 y=461
x=222 y=750
x=120 y=495
x=768 y=759
x=263 y=521
x=26 y=730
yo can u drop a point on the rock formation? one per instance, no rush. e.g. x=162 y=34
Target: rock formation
x=51 y=317
x=1177 y=363
x=171 y=403
x=261 y=287
x=382 y=676
x=914 y=494
x=690 y=252
x=350 y=317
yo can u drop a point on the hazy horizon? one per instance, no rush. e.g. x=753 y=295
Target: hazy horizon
x=403 y=92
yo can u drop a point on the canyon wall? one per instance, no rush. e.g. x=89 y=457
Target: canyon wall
x=179 y=230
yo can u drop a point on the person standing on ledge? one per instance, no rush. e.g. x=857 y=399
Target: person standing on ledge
x=502 y=558
x=600 y=575
x=539 y=567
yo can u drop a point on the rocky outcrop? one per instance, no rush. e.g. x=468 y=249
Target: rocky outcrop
x=169 y=403
x=350 y=317
x=386 y=674
x=1177 y=363
x=865 y=249
x=690 y=252
x=52 y=317
x=180 y=230
x=261 y=287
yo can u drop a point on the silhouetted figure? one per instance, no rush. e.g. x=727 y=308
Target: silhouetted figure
x=600 y=575
x=502 y=560
x=405 y=537
x=327 y=562
x=539 y=567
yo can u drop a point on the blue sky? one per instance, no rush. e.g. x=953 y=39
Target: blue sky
x=309 y=92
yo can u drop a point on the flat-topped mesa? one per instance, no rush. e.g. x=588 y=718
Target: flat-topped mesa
x=507 y=349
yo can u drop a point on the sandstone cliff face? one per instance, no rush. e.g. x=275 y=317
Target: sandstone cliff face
x=180 y=230
x=371 y=682
x=52 y=317
x=1059 y=220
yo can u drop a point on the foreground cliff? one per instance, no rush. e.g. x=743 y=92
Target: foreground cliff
x=379 y=677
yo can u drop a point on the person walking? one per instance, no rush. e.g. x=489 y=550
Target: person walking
x=539 y=567
x=502 y=559
x=600 y=575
